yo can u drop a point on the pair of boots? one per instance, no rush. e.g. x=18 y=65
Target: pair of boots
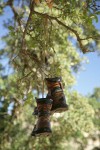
x=54 y=102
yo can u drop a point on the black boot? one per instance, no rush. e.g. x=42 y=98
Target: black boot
x=43 y=126
x=55 y=92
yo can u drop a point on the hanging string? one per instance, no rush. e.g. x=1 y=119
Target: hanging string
x=42 y=86
x=45 y=24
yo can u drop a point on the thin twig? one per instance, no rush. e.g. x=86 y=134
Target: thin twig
x=90 y=37
x=25 y=76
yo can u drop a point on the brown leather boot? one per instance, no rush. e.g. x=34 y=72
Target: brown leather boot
x=55 y=92
x=42 y=126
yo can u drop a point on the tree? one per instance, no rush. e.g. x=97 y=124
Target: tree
x=39 y=44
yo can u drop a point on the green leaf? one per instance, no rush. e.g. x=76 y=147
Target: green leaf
x=98 y=13
x=11 y=28
x=94 y=17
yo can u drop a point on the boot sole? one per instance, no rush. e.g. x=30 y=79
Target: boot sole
x=41 y=132
x=59 y=110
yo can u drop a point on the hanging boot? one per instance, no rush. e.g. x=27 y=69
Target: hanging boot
x=55 y=92
x=42 y=126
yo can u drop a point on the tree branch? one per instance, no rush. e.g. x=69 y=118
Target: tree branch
x=91 y=37
x=84 y=50
x=29 y=18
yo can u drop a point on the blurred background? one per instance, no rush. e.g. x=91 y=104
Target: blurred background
x=48 y=49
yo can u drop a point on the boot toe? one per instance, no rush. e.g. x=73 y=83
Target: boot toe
x=43 y=131
x=59 y=108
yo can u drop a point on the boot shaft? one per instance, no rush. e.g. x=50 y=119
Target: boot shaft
x=44 y=106
x=54 y=85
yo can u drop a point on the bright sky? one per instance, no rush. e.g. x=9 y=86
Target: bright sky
x=88 y=79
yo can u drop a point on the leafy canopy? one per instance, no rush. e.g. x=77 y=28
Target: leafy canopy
x=44 y=39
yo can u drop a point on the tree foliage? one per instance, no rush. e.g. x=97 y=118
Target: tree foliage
x=39 y=44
